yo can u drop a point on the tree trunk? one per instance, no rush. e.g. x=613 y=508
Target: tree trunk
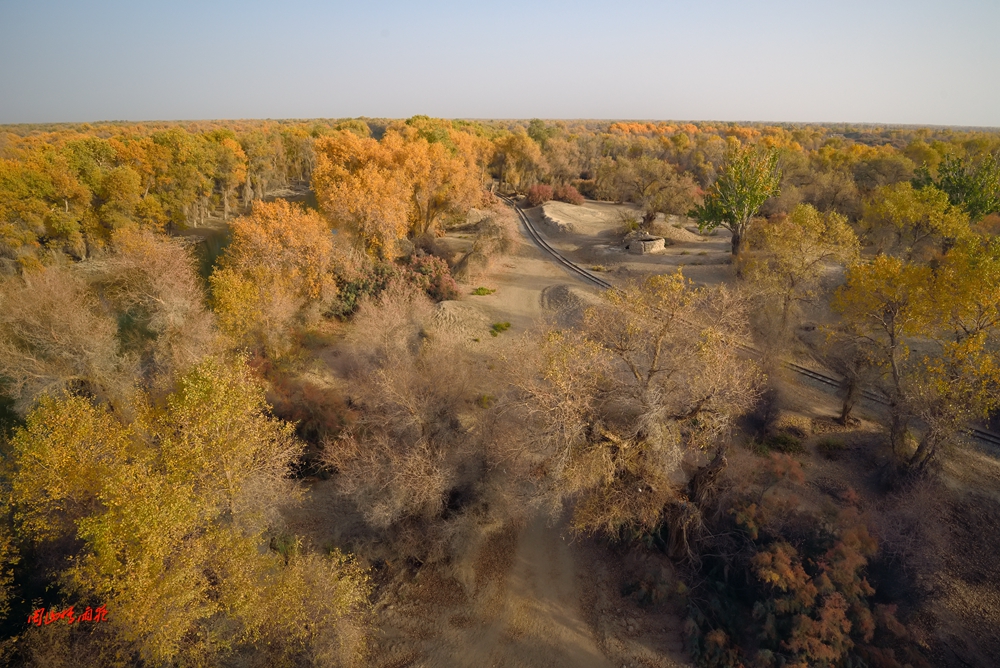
x=852 y=389
x=924 y=454
x=704 y=483
x=897 y=430
x=737 y=242
x=247 y=193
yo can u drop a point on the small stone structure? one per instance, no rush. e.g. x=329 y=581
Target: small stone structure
x=645 y=244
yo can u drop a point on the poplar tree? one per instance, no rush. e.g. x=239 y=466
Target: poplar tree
x=750 y=176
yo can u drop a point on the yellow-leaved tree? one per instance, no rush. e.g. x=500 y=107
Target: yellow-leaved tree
x=790 y=254
x=933 y=336
x=902 y=220
x=167 y=519
x=280 y=261
x=518 y=159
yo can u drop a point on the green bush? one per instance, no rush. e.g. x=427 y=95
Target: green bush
x=758 y=447
x=371 y=283
x=498 y=327
x=482 y=292
x=785 y=443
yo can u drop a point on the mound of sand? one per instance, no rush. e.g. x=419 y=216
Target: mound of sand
x=589 y=212
x=588 y=218
x=458 y=318
x=666 y=228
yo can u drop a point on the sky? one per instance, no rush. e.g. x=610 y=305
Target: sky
x=873 y=61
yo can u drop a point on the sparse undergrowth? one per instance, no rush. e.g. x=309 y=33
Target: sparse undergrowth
x=831 y=448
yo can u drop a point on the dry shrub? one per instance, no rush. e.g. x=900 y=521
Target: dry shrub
x=154 y=287
x=431 y=245
x=496 y=234
x=793 y=424
x=628 y=222
x=62 y=645
x=417 y=461
x=990 y=224
x=612 y=410
x=54 y=335
x=913 y=527
x=539 y=194
x=319 y=413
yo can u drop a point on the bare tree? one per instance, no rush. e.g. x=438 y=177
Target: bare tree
x=54 y=336
x=652 y=377
x=153 y=282
x=422 y=460
x=494 y=237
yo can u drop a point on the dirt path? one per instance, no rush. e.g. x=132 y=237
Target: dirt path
x=539 y=621
x=529 y=616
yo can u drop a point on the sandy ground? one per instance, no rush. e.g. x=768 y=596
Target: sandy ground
x=595 y=242
x=530 y=289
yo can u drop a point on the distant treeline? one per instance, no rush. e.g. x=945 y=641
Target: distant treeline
x=65 y=188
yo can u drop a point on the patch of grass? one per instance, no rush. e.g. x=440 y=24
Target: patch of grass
x=831 y=448
x=685 y=252
x=677 y=225
x=482 y=292
x=758 y=447
x=485 y=400
x=703 y=253
x=498 y=327
x=285 y=545
x=785 y=443
x=598 y=267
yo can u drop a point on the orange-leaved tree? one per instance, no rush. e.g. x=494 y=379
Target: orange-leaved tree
x=444 y=183
x=362 y=187
x=280 y=260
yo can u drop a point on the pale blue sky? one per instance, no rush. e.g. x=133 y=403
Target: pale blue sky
x=887 y=61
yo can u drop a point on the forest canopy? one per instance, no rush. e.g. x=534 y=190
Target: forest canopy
x=212 y=330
